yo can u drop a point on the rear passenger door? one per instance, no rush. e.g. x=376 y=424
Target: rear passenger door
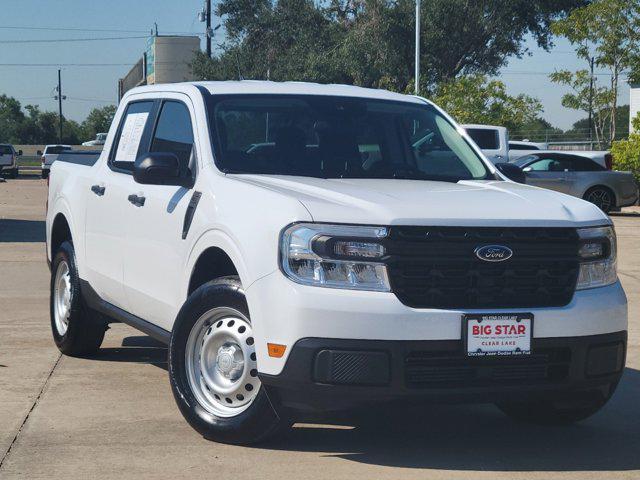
x=107 y=222
x=155 y=249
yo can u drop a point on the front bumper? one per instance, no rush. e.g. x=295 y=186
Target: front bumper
x=324 y=375
x=284 y=312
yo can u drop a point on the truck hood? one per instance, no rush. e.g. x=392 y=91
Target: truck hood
x=420 y=202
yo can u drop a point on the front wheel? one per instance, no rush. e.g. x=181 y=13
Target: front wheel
x=213 y=370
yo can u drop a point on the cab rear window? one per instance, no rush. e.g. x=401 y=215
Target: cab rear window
x=486 y=139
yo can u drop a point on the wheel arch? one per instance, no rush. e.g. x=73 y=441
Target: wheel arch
x=60 y=232
x=214 y=255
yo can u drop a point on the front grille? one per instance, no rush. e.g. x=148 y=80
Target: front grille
x=436 y=267
x=454 y=369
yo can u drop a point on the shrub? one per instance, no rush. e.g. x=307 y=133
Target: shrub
x=626 y=153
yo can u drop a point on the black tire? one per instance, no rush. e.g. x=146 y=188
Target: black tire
x=45 y=174
x=562 y=412
x=602 y=197
x=14 y=173
x=86 y=328
x=260 y=420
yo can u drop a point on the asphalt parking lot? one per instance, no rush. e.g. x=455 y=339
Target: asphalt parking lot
x=113 y=415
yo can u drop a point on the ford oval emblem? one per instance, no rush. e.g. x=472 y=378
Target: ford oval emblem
x=493 y=253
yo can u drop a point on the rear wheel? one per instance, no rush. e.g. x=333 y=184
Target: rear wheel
x=601 y=197
x=213 y=370
x=76 y=330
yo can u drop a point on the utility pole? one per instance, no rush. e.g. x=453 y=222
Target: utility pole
x=60 y=97
x=417 y=61
x=205 y=16
x=591 y=62
x=208 y=14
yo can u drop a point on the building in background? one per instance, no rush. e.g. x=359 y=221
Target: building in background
x=634 y=103
x=167 y=59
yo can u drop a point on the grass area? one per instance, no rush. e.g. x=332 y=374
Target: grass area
x=29 y=162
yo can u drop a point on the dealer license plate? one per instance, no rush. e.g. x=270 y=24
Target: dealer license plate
x=498 y=334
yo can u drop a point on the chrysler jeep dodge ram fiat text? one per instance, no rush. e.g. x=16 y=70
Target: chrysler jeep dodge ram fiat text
x=305 y=249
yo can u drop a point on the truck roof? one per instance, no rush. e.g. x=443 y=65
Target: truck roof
x=283 y=88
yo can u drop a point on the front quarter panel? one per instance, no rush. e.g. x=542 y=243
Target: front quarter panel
x=244 y=221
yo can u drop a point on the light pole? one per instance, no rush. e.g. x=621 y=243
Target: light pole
x=417 y=62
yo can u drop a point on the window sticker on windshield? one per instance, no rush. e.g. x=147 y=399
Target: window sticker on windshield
x=130 y=137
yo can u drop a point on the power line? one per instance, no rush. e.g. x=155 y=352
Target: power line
x=69 y=29
x=66 y=64
x=99 y=100
x=528 y=72
x=66 y=40
x=128 y=64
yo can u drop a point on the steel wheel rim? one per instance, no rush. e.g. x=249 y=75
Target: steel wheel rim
x=221 y=363
x=601 y=199
x=62 y=298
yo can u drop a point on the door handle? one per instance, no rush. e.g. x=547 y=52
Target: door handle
x=98 y=190
x=136 y=200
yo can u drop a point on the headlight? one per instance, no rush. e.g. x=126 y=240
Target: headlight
x=597 y=257
x=335 y=256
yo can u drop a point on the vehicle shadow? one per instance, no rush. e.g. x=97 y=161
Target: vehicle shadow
x=135 y=349
x=22 y=231
x=480 y=437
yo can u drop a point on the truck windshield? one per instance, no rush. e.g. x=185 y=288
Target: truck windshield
x=338 y=137
x=6 y=150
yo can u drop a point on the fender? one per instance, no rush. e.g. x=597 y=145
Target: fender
x=217 y=238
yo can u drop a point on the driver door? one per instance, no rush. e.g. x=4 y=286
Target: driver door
x=549 y=172
x=156 y=249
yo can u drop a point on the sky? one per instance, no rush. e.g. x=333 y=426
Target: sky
x=96 y=86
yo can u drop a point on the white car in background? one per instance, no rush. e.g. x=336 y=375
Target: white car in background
x=99 y=140
x=492 y=140
x=518 y=149
x=50 y=155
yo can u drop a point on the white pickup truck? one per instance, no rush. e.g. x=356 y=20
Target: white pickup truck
x=304 y=249
x=495 y=144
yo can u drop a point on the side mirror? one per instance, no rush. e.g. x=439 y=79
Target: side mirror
x=19 y=153
x=158 y=168
x=512 y=172
x=39 y=152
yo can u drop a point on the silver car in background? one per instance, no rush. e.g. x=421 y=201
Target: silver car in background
x=580 y=177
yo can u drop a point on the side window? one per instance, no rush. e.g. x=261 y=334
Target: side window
x=586 y=165
x=551 y=165
x=174 y=132
x=129 y=139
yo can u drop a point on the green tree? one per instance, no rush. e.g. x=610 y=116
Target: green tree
x=98 y=121
x=583 y=98
x=626 y=153
x=11 y=117
x=607 y=31
x=474 y=99
x=536 y=130
x=580 y=129
x=370 y=42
